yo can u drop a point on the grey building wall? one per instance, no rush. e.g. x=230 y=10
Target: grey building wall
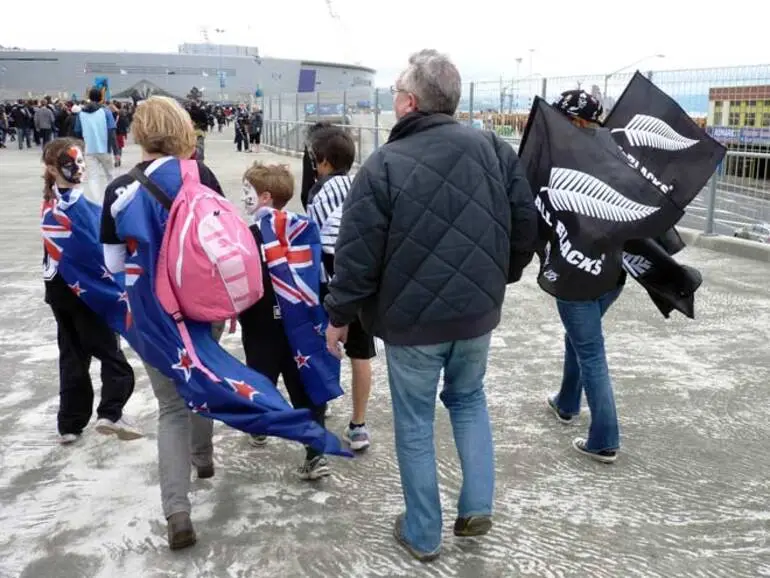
x=31 y=74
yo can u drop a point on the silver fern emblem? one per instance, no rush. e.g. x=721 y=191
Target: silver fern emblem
x=584 y=194
x=651 y=132
x=636 y=265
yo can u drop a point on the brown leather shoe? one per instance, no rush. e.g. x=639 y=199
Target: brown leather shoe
x=180 y=531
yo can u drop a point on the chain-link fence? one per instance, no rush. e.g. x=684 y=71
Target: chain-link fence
x=733 y=104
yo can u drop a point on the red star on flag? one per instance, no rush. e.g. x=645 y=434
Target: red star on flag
x=242 y=388
x=132 y=245
x=106 y=274
x=302 y=360
x=319 y=329
x=185 y=364
x=76 y=289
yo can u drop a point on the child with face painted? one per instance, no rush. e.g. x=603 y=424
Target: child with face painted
x=265 y=343
x=81 y=334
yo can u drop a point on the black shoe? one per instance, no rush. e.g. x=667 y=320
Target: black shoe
x=205 y=472
x=603 y=456
x=257 y=441
x=180 y=531
x=473 y=526
x=562 y=416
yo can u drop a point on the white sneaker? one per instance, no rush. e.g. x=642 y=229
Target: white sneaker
x=67 y=439
x=124 y=429
x=358 y=438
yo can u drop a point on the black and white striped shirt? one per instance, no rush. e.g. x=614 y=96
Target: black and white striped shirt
x=326 y=209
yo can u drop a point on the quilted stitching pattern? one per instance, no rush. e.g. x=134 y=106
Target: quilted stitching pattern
x=446 y=253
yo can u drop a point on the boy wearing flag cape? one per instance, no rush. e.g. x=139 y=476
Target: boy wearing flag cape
x=274 y=344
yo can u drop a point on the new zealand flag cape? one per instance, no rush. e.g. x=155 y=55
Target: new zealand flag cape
x=242 y=398
x=291 y=245
x=590 y=203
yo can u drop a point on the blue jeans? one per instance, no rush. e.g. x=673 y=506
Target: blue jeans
x=413 y=373
x=23 y=134
x=585 y=368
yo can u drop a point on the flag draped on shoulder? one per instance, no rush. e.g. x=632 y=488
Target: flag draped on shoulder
x=238 y=396
x=590 y=202
x=292 y=251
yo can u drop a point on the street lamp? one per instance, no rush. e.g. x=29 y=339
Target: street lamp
x=220 y=72
x=634 y=63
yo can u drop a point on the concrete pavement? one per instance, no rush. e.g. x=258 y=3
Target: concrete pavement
x=687 y=497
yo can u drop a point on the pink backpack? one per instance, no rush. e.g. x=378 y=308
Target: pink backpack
x=209 y=268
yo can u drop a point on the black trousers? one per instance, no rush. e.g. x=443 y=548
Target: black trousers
x=272 y=357
x=45 y=135
x=82 y=335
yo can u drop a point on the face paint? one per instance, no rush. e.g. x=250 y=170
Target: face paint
x=250 y=198
x=72 y=165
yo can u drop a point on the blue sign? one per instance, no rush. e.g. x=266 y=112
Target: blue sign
x=222 y=78
x=744 y=135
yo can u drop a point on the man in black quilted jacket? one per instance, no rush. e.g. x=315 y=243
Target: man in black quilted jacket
x=436 y=223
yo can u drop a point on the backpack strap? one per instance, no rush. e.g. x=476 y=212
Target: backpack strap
x=190 y=167
x=154 y=189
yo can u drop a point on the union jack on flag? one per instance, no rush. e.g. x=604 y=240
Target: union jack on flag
x=55 y=225
x=291 y=246
x=287 y=241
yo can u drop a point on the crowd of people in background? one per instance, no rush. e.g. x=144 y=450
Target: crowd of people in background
x=39 y=121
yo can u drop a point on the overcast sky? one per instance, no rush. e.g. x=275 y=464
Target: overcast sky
x=484 y=37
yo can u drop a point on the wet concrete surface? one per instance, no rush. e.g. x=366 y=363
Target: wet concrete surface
x=687 y=497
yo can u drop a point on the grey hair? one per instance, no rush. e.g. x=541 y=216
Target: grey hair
x=434 y=81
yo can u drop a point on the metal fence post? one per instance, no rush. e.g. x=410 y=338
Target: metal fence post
x=376 y=118
x=344 y=104
x=296 y=114
x=470 y=105
x=712 y=203
x=279 y=106
x=360 y=145
x=544 y=89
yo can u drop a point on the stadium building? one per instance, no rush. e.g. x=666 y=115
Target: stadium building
x=217 y=73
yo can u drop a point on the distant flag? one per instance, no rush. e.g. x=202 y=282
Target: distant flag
x=123 y=72
x=206 y=74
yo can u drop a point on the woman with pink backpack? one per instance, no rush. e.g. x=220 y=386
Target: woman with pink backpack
x=190 y=264
x=163 y=131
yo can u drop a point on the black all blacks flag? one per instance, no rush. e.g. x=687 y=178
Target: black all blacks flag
x=590 y=200
x=661 y=140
